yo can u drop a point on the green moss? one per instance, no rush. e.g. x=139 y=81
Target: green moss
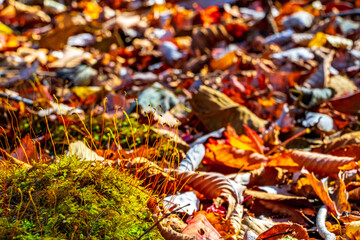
x=72 y=199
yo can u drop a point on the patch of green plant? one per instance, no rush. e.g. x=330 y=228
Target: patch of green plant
x=72 y=199
x=288 y=237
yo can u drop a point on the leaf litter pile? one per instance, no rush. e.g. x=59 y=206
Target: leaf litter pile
x=180 y=119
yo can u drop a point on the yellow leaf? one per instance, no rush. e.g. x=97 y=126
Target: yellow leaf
x=92 y=10
x=85 y=92
x=318 y=40
x=353 y=230
x=5 y=29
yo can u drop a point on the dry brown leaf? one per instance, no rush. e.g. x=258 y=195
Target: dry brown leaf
x=34 y=11
x=284 y=210
x=68 y=24
x=322 y=163
x=349 y=104
x=256 y=225
x=200 y=227
x=351 y=138
x=216 y=110
x=354 y=194
x=321 y=77
x=271 y=196
x=208 y=183
x=166 y=226
x=342 y=85
x=235 y=221
x=204 y=39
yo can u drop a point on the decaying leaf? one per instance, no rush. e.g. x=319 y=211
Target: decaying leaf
x=200 y=227
x=256 y=225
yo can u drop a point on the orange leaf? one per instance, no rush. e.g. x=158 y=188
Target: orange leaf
x=255 y=138
x=92 y=10
x=242 y=142
x=322 y=193
x=210 y=15
x=321 y=163
x=232 y=157
x=283 y=160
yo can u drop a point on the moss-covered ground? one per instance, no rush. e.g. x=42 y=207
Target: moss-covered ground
x=72 y=199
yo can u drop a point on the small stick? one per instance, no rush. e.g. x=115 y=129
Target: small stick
x=306 y=131
x=17 y=98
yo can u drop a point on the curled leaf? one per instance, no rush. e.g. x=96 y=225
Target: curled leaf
x=208 y=183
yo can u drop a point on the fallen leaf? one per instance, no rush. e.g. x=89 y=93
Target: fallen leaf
x=322 y=193
x=26 y=151
x=352 y=230
x=279 y=231
x=200 y=227
x=322 y=163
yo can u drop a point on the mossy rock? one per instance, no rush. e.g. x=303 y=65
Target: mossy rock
x=72 y=199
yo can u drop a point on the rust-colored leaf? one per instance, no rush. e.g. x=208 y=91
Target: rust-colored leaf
x=340 y=197
x=200 y=227
x=347 y=151
x=322 y=163
x=26 y=151
x=279 y=231
x=283 y=160
x=348 y=104
x=293 y=214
